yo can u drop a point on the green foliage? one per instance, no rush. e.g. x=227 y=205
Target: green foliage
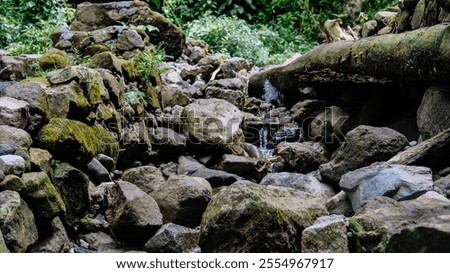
x=257 y=43
x=134 y=97
x=148 y=63
x=25 y=26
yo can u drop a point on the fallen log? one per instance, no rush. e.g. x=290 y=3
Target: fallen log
x=422 y=54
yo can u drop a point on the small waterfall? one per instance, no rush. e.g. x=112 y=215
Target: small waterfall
x=263 y=140
x=271 y=94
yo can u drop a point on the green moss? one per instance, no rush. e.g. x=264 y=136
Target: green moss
x=54 y=59
x=94 y=91
x=95 y=48
x=129 y=70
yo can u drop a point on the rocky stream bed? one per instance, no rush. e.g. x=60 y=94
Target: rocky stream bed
x=343 y=149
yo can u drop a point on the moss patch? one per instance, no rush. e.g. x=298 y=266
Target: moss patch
x=54 y=59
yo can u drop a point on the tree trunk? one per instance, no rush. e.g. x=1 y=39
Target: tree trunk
x=422 y=54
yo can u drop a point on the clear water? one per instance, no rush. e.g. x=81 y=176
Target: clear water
x=263 y=139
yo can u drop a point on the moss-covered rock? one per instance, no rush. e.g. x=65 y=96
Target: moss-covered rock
x=76 y=142
x=19 y=138
x=3 y=248
x=247 y=217
x=42 y=196
x=129 y=70
x=54 y=59
x=108 y=61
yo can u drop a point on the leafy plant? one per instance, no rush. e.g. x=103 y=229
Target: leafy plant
x=148 y=63
x=133 y=97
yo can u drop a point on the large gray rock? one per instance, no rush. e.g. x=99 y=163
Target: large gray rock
x=52 y=238
x=7 y=148
x=442 y=186
x=247 y=217
x=147 y=178
x=16 y=222
x=41 y=160
x=133 y=215
x=330 y=126
x=32 y=93
x=301 y=182
x=168 y=142
x=340 y=204
x=243 y=166
x=433 y=115
x=14 y=112
x=12 y=164
x=191 y=167
x=182 y=199
x=396 y=181
x=172 y=238
x=97 y=172
x=363 y=146
x=12 y=183
x=328 y=234
x=301 y=156
x=214 y=123
x=100 y=242
x=42 y=196
x=73 y=186
x=19 y=139
x=386 y=225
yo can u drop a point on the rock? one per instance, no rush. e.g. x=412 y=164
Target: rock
x=330 y=126
x=173 y=95
x=90 y=17
x=16 y=222
x=43 y=198
x=396 y=181
x=12 y=164
x=147 y=178
x=386 y=225
x=93 y=224
x=242 y=166
x=99 y=241
x=76 y=142
x=16 y=67
x=133 y=215
x=430 y=153
x=172 y=238
x=246 y=217
x=11 y=183
x=191 y=167
x=129 y=39
x=168 y=142
x=107 y=161
x=433 y=115
x=410 y=4
x=97 y=172
x=7 y=149
x=107 y=60
x=41 y=161
x=328 y=234
x=369 y=28
x=404 y=21
x=230 y=67
x=73 y=186
x=14 y=112
x=442 y=186
x=300 y=156
x=418 y=15
x=52 y=238
x=182 y=200
x=54 y=59
x=363 y=145
x=19 y=139
x=3 y=247
x=386 y=18
x=301 y=182
x=32 y=93
x=433 y=195
x=116 y=87
x=304 y=111
x=2 y=177
x=214 y=123
x=340 y=204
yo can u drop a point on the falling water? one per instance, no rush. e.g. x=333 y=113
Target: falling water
x=263 y=139
x=271 y=94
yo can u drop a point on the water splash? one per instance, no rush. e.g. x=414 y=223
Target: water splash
x=263 y=140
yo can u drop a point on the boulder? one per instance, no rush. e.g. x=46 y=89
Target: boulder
x=107 y=161
x=247 y=217
x=433 y=115
x=12 y=183
x=19 y=139
x=99 y=242
x=328 y=234
x=76 y=142
x=32 y=93
x=90 y=17
x=442 y=186
x=399 y=182
x=330 y=126
x=73 y=186
x=386 y=225
x=172 y=238
x=147 y=178
x=134 y=216
x=43 y=198
x=340 y=204
x=52 y=238
x=16 y=222
x=128 y=40
x=303 y=112
x=363 y=146
x=16 y=67
x=54 y=59
x=182 y=199
x=41 y=161
x=168 y=142
x=214 y=123
x=301 y=156
x=191 y=167
x=107 y=60
x=3 y=247
x=14 y=112
x=97 y=172
x=242 y=166
x=12 y=164
x=7 y=149
x=301 y=182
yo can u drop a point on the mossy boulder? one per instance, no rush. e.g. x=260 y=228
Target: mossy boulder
x=108 y=61
x=42 y=196
x=3 y=248
x=16 y=222
x=76 y=142
x=129 y=70
x=54 y=59
x=247 y=217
